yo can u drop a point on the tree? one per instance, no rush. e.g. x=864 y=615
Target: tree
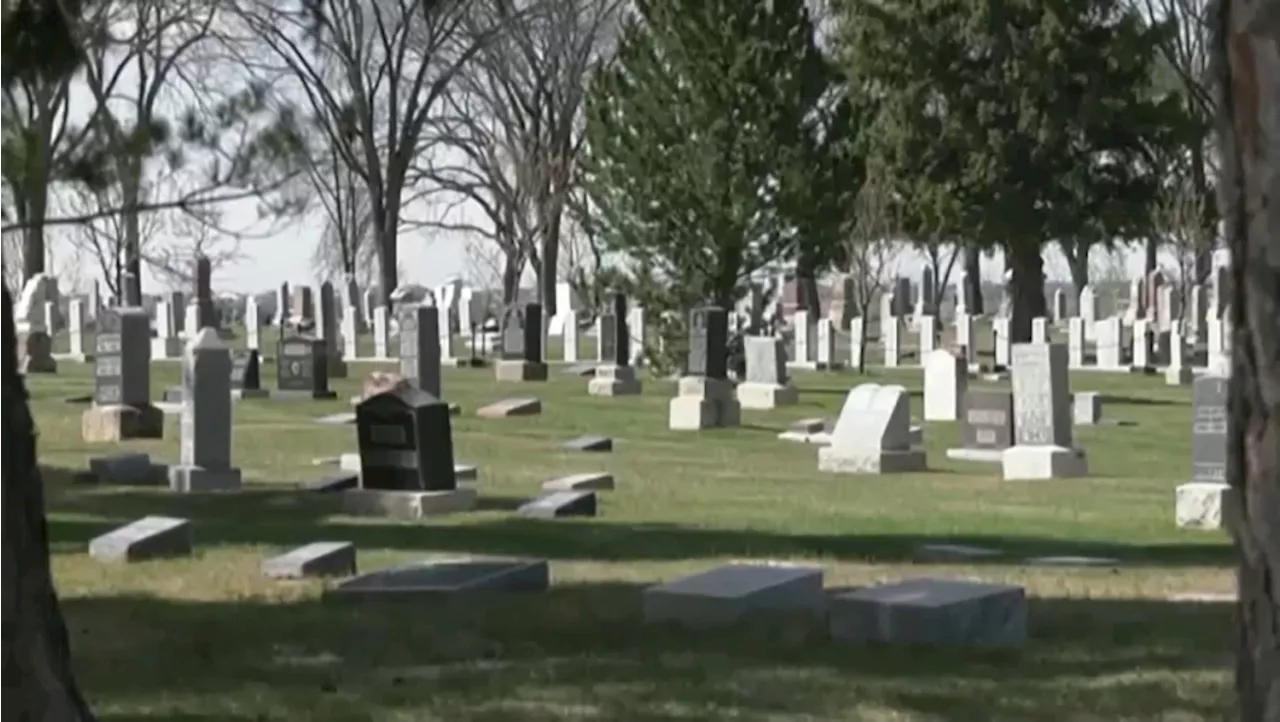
x=717 y=143
x=1178 y=223
x=1012 y=123
x=104 y=237
x=373 y=74
x=514 y=121
x=1248 y=85
x=869 y=253
x=345 y=249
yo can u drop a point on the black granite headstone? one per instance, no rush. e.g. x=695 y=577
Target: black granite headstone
x=1209 y=429
x=987 y=420
x=246 y=374
x=533 y=333
x=708 y=342
x=301 y=367
x=405 y=441
x=621 y=351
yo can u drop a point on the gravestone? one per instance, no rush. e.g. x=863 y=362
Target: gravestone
x=420 y=347
x=151 y=537
x=560 y=504
x=945 y=379
x=729 y=594
x=766 y=385
x=589 y=481
x=205 y=450
x=326 y=329
x=317 y=559
x=705 y=396
x=523 y=406
x=615 y=376
x=301 y=369
x=206 y=312
x=406 y=443
x=589 y=443
x=435 y=577
x=929 y=611
x=126 y=467
x=522 y=346
x=1043 y=446
x=246 y=374
x=122 y=407
x=1207 y=501
x=34 y=333
x=873 y=434
x=986 y=426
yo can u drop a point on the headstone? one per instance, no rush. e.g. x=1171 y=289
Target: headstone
x=205 y=424
x=589 y=443
x=615 y=376
x=317 y=559
x=301 y=369
x=590 y=481
x=1086 y=408
x=523 y=406
x=705 y=397
x=381 y=332
x=252 y=325
x=929 y=611
x=122 y=407
x=151 y=537
x=522 y=345
x=511 y=329
x=766 y=385
x=246 y=374
x=75 y=330
x=420 y=347
x=326 y=329
x=1043 y=447
x=729 y=594
x=890 y=332
x=559 y=504
x=124 y=467
x=945 y=379
x=986 y=426
x=872 y=435
x=437 y=577
x=406 y=443
x=1209 y=420
x=1110 y=343
x=206 y=312
x=708 y=339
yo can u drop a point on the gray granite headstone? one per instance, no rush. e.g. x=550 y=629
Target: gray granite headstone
x=589 y=443
x=420 y=347
x=511 y=329
x=122 y=358
x=589 y=481
x=766 y=360
x=560 y=503
x=318 y=559
x=301 y=368
x=123 y=467
x=931 y=611
x=447 y=576
x=727 y=594
x=205 y=423
x=1209 y=429
x=708 y=342
x=151 y=537
x=1041 y=395
x=615 y=342
x=987 y=419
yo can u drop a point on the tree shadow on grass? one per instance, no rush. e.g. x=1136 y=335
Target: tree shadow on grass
x=290 y=518
x=582 y=650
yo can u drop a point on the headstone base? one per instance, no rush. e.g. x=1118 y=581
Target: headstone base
x=767 y=396
x=198 y=479
x=1178 y=376
x=35 y=353
x=985 y=456
x=1206 y=505
x=250 y=393
x=1031 y=463
x=277 y=394
x=166 y=348
x=509 y=370
x=612 y=380
x=837 y=461
x=117 y=422
x=704 y=403
x=407 y=505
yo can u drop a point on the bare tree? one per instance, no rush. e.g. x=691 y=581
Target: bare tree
x=514 y=123
x=103 y=239
x=372 y=75
x=345 y=249
x=1178 y=222
x=870 y=254
x=171 y=258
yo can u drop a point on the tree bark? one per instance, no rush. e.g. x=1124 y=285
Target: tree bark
x=1028 y=289
x=38 y=682
x=973 y=279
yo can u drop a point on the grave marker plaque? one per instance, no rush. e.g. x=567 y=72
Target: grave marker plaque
x=246 y=370
x=987 y=422
x=1209 y=429
x=301 y=367
x=708 y=339
x=405 y=441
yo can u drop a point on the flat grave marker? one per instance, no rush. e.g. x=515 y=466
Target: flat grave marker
x=590 y=442
x=727 y=594
x=151 y=537
x=589 y=481
x=317 y=559
x=559 y=504
x=931 y=611
x=523 y=406
x=434 y=577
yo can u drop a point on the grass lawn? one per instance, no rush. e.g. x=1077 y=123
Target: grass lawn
x=210 y=639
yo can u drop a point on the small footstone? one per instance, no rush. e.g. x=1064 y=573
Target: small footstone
x=511 y=407
x=124 y=467
x=339 y=419
x=1205 y=505
x=151 y=537
x=932 y=611
x=560 y=503
x=729 y=593
x=465 y=472
x=591 y=481
x=340 y=481
x=446 y=576
x=318 y=559
x=590 y=443
x=1073 y=561
x=953 y=553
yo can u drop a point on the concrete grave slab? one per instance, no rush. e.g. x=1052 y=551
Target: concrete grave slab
x=590 y=481
x=317 y=559
x=127 y=467
x=727 y=594
x=560 y=503
x=934 y=611
x=1205 y=505
x=151 y=537
x=340 y=481
x=589 y=443
x=434 y=577
x=524 y=406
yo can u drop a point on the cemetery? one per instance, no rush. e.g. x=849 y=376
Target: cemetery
x=269 y=528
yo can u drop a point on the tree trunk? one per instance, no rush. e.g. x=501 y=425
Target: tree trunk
x=1078 y=265
x=131 y=290
x=973 y=279
x=1027 y=264
x=511 y=272
x=1203 y=264
x=388 y=259
x=1152 y=256
x=548 y=273
x=1248 y=74
x=37 y=659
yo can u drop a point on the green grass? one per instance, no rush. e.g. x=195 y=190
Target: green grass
x=209 y=639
